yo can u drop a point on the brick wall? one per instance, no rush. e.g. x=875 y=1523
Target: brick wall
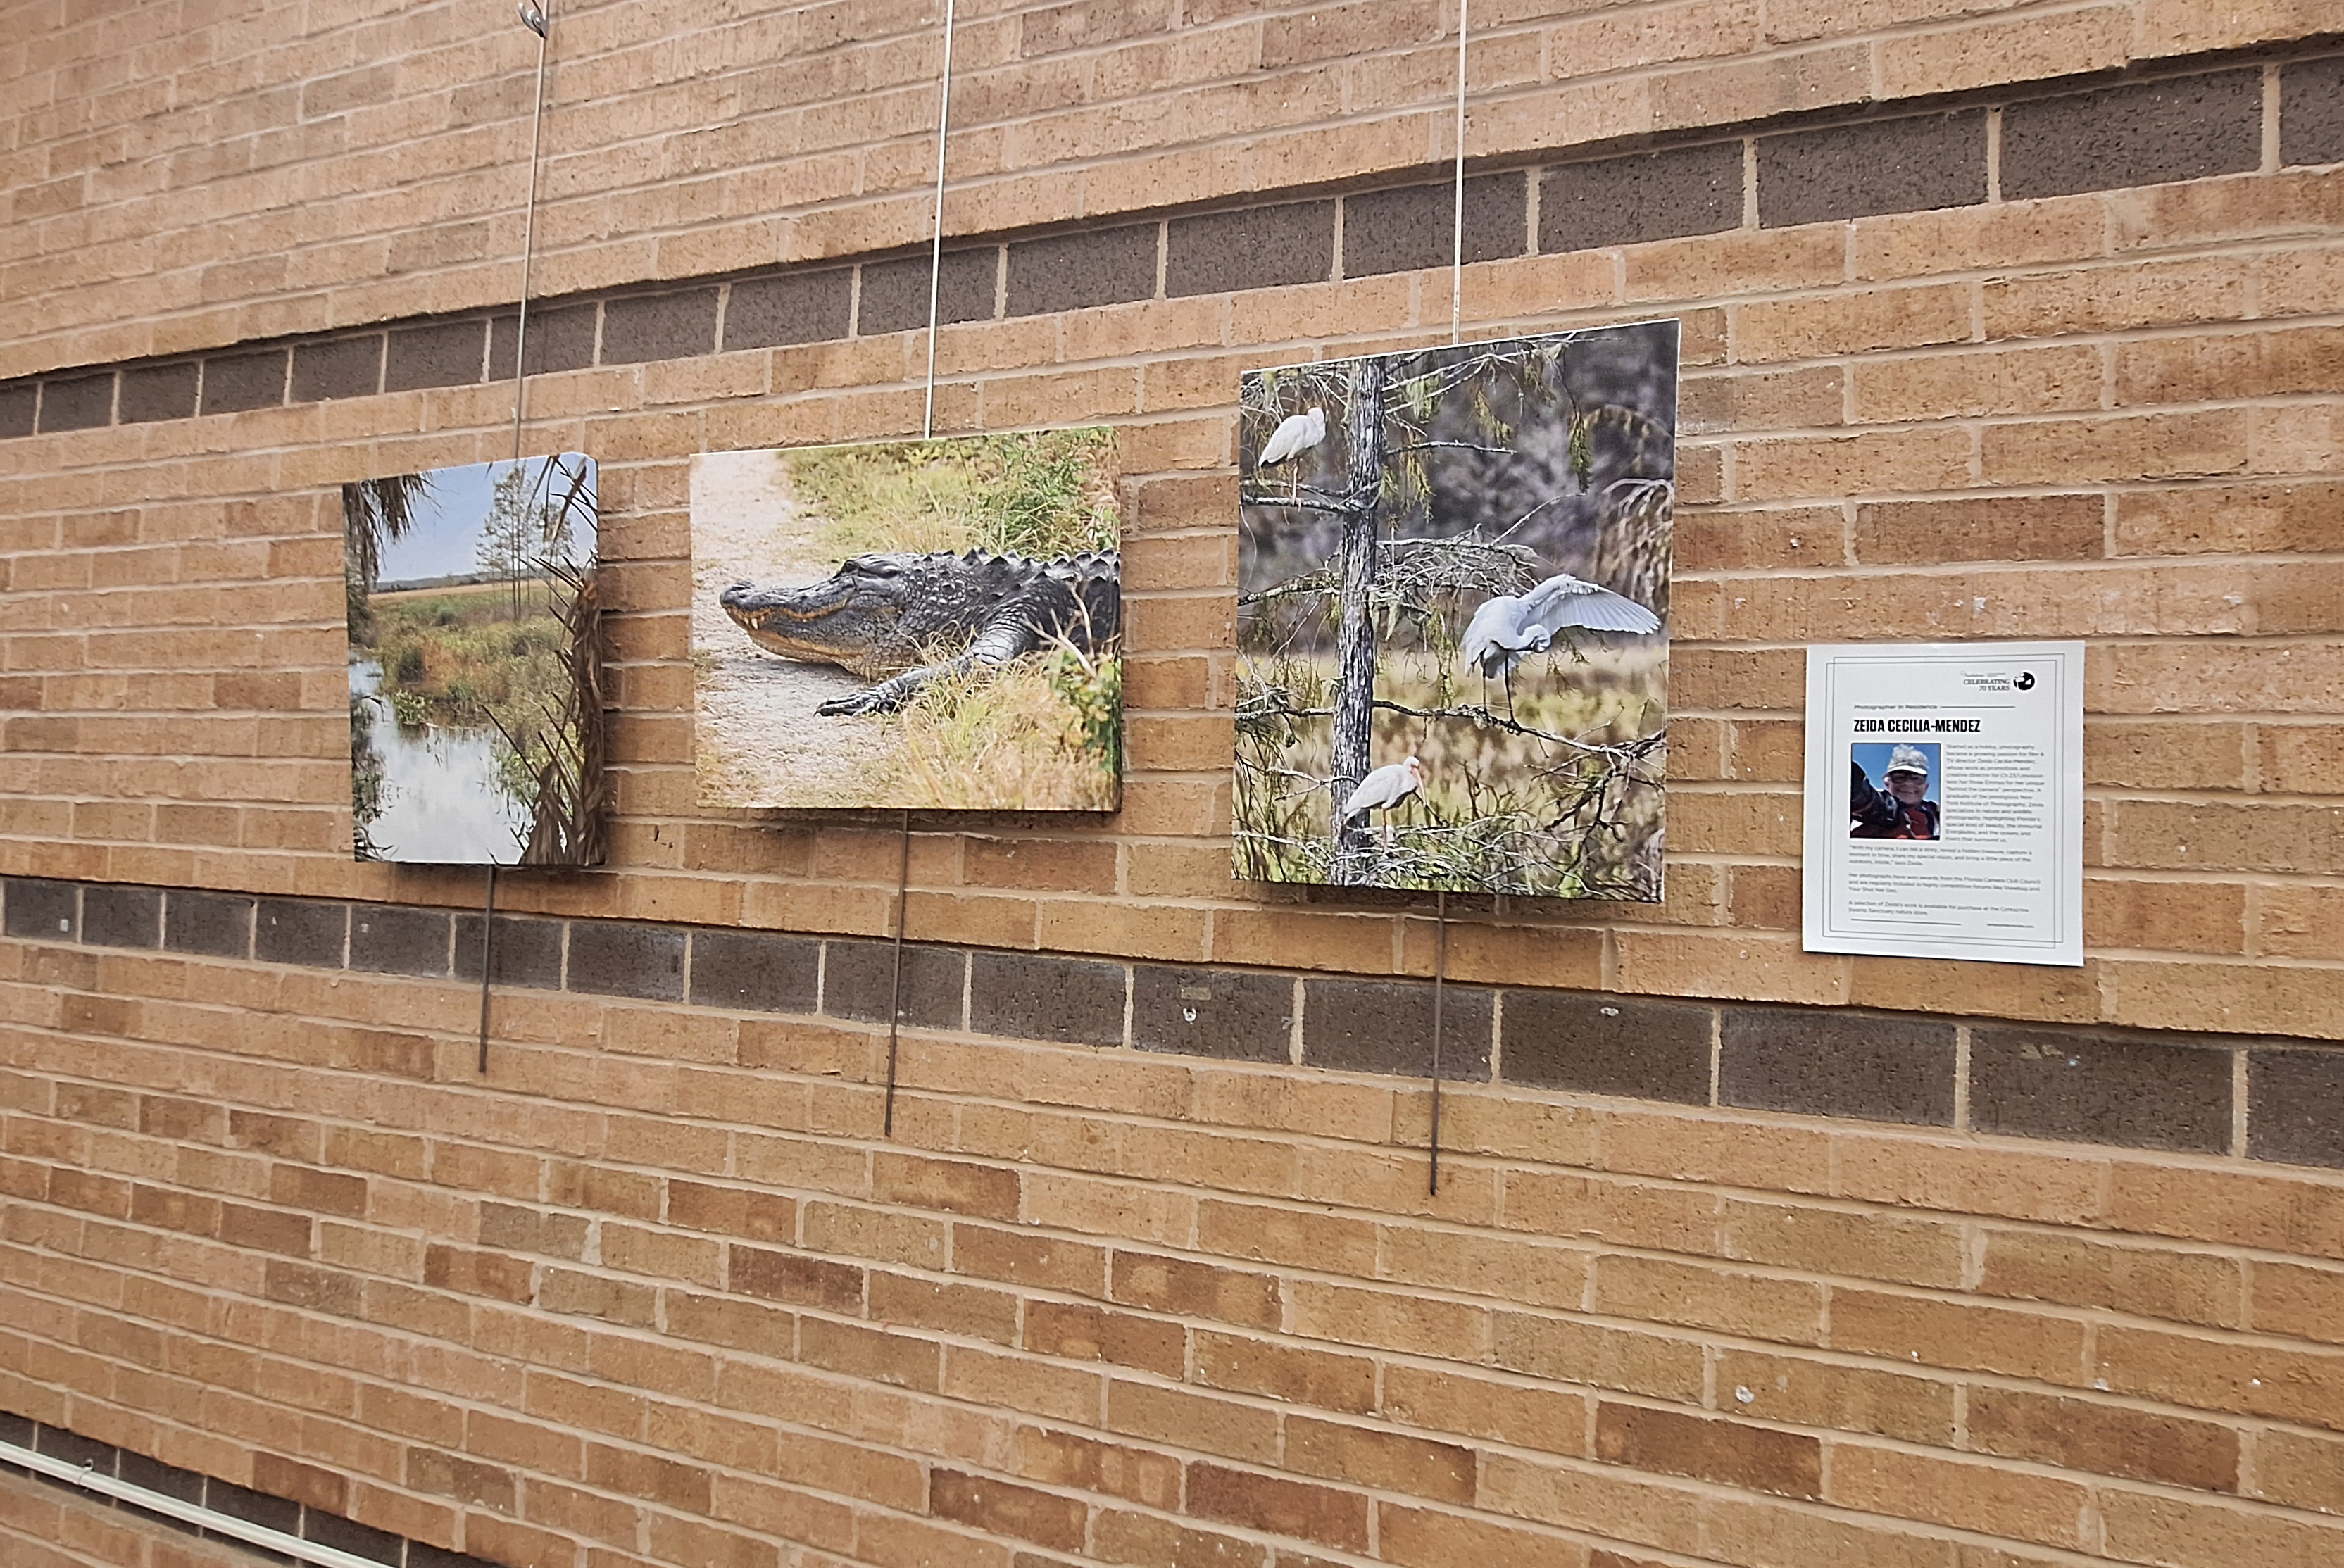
x=2001 y=320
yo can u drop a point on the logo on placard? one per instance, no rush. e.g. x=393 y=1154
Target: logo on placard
x=2025 y=682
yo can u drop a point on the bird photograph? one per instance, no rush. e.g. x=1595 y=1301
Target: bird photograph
x=1453 y=616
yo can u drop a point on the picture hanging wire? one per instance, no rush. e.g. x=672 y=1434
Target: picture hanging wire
x=1455 y=334
x=533 y=16
x=927 y=431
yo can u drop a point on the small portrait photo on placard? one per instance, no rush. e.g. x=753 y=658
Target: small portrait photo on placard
x=1893 y=790
x=926 y=625
x=1453 y=616
x=475 y=663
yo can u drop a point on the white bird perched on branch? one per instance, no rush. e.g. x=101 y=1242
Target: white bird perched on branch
x=1382 y=789
x=1510 y=628
x=1296 y=434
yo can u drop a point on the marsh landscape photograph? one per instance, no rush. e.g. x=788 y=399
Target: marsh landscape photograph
x=475 y=664
x=1453 y=611
x=930 y=624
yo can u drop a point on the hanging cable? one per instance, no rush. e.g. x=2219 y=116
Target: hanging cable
x=533 y=16
x=936 y=227
x=895 y=986
x=1457 y=206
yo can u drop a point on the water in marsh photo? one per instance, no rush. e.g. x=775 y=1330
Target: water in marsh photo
x=475 y=664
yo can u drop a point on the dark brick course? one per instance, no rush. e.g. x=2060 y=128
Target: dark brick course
x=2295 y=1107
x=42 y=911
x=2146 y=134
x=1226 y=1012
x=113 y=916
x=157 y=392
x=2100 y=1088
x=76 y=402
x=615 y=959
x=218 y=925
x=2311 y=111
x=17 y=406
x=156 y=1476
x=859 y=976
x=359 y=1539
x=526 y=952
x=257 y=1507
x=896 y=293
x=1252 y=247
x=560 y=337
x=1645 y=197
x=1074 y=1001
x=1597 y=1044
x=755 y=971
x=1821 y=1063
x=1386 y=1026
x=57 y=1442
x=437 y=354
x=300 y=931
x=392 y=940
x=1072 y=271
x=234 y=382
x=1907 y=165
x=1410 y=229
x=639 y=327
x=340 y=368
x=792 y=307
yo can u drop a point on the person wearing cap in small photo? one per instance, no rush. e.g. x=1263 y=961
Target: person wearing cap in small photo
x=1902 y=809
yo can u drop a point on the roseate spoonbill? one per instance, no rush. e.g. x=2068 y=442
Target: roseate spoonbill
x=1382 y=789
x=1510 y=628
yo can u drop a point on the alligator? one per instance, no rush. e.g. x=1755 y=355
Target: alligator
x=914 y=617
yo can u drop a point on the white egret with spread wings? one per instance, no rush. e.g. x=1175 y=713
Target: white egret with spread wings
x=1509 y=628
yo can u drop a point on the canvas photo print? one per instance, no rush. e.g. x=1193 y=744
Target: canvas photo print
x=1453 y=612
x=475 y=664
x=929 y=624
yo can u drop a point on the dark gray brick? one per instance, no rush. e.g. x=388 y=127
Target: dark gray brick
x=1605 y=1045
x=18 y=402
x=1252 y=247
x=1072 y=271
x=1645 y=196
x=1836 y=1063
x=391 y=939
x=158 y=392
x=76 y=402
x=423 y=1555
x=615 y=958
x=896 y=293
x=1386 y=1026
x=2311 y=111
x=15 y=1429
x=217 y=924
x=1032 y=997
x=257 y=1507
x=2295 y=1107
x=2100 y=1088
x=1410 y=229
x=82 y=1452
x=156 y=1476
x=755 y=971
x=857 y=978
x=300 y=931
x=1222 y=1012
x=560 y=337
x=43 y=911
x=527 y=951
x=340 y=368
x=2141 y=134
x=113 y=916
x=233 y=382
x=441 y=354
x=794 y=307
x=643 y=327
x=1910 y=165
x=358 y=1539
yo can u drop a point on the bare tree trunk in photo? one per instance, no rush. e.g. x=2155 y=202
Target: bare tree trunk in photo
x=1355 y=640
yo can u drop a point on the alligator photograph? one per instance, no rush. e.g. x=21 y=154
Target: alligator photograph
x=924 y=625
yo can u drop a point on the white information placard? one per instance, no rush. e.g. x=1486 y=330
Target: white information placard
x=1945 y=806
